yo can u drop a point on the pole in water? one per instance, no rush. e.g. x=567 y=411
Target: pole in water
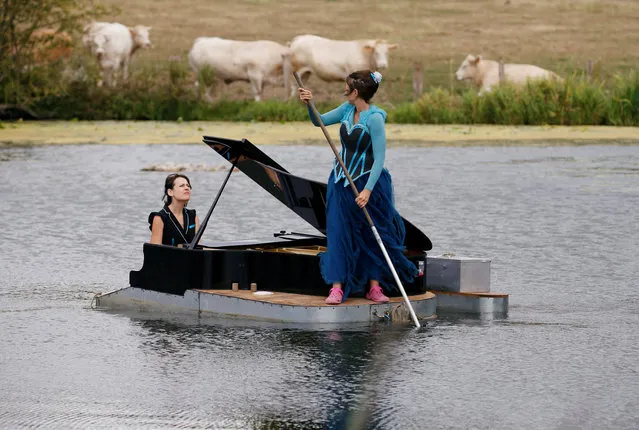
x=317 y=116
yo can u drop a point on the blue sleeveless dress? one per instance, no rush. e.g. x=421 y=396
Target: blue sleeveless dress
x=353 y=256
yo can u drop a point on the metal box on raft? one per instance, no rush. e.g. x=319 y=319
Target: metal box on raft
x=462 y=284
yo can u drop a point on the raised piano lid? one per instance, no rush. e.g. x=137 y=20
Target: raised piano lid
x=305 y=197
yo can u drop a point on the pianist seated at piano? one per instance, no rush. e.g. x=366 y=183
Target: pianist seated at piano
x=174 y=224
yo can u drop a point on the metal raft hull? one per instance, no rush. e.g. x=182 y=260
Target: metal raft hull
x=280 y=307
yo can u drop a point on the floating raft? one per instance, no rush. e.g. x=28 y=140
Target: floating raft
x=269 y=306
x=456 y=285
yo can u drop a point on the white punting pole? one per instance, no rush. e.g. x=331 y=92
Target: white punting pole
x=354 y=188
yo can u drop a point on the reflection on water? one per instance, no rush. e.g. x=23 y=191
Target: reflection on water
x=292 y=375
x=558 y=223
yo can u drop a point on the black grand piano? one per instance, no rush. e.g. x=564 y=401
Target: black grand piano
x=288 y=262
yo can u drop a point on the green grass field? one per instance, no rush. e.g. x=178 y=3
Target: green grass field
x=561 y=35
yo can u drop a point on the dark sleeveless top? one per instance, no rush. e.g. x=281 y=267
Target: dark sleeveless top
x=173 y=233
x=357 y=152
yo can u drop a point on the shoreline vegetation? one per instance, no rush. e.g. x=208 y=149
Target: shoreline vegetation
x=433 y=37
x=32 y=133
x=576 y=101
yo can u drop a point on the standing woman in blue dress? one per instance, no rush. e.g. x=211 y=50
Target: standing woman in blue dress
x=353 y=260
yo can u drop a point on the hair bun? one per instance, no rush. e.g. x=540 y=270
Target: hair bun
x=377 y=77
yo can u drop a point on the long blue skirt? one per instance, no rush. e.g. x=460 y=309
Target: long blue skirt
x=353 y=256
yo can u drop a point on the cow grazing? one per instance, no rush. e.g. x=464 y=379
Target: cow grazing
x=485 y=73
x=114 y=44
x=257 y=62
x=334 y=60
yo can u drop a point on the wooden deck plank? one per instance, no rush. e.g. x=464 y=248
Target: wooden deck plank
x=306 y=300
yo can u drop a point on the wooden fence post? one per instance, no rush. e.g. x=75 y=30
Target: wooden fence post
x=450 y=75
x=418 y=80
x=501 y=71
x=286 y=71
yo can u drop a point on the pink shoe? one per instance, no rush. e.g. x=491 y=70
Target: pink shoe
x=335 y=296
x=375 y=294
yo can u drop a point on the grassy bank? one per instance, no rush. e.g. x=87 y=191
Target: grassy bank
x=558 y=35
x=576 y=101
x=172 y=97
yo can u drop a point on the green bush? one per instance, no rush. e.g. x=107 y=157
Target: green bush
x=623 y=106
x=575 y=101
x=26 y=74
x=154 y=93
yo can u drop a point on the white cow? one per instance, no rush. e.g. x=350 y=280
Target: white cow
x=334 y=60
x=114 y=44
x=485 y=73
x=257 y=62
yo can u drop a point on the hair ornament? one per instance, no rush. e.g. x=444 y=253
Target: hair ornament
x=377 y=77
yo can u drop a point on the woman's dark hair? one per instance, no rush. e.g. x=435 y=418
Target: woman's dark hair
x=363 y=82
x=168 y=185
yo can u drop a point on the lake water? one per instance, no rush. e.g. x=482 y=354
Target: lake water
x=560 y=224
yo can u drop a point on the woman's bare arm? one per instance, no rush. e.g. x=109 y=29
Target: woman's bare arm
x=157 y=228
